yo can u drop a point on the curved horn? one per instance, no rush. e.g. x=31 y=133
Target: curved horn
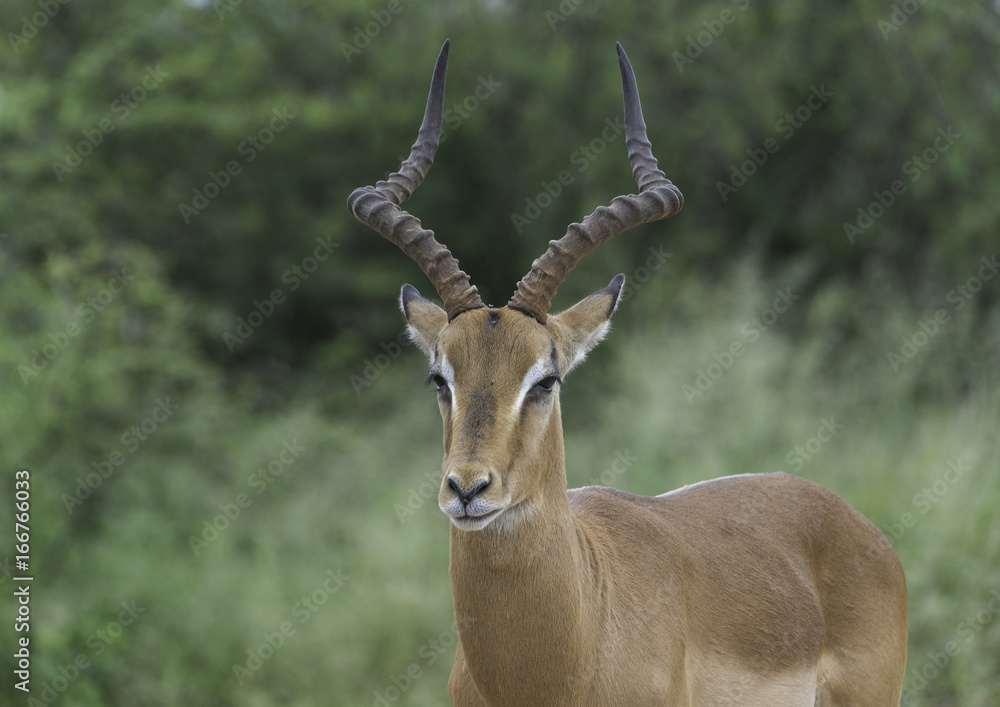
x=657 y=198
x=378 y=207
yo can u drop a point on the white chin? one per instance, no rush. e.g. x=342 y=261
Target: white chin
x=475 y=522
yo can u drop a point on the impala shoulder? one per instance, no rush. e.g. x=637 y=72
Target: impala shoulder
x=610 y=508
x=605 y=498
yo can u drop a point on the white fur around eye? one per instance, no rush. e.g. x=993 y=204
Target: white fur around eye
x=447 y=372
x=534 y=374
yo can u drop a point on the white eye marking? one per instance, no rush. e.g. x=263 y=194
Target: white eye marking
x=534 y=374
x=448 y=373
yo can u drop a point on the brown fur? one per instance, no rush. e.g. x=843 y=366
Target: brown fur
x=748 y=590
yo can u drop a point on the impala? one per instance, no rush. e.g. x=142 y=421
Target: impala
x=757 y=589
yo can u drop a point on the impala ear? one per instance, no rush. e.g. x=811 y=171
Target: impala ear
x=425 y=320
x=585 y=323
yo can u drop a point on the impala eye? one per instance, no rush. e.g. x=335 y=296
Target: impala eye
x=440 y=383
x=544 y=386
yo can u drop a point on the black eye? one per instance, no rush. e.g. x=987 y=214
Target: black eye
x=544 y=385
x=439 y=382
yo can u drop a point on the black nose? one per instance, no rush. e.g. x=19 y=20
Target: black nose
x=466 y=496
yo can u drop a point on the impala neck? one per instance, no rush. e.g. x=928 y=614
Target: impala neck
x=524 y=595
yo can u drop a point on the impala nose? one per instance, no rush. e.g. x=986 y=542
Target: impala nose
x=465 y=494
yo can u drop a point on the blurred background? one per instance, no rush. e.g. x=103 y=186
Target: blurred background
x=233 y=456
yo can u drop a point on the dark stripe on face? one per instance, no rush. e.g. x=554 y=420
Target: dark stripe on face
x=480 y=417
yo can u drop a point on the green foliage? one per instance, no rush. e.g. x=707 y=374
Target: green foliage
x=788 y=126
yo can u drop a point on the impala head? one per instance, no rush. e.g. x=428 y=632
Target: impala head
x=498 y=371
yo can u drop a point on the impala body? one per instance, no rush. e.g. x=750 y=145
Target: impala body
x=758 y=589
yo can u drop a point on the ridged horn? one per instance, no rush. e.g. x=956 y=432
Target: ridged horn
x=378 y=207
x=658 y=198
